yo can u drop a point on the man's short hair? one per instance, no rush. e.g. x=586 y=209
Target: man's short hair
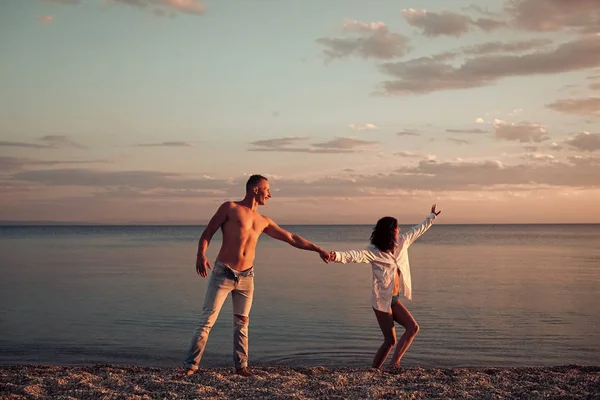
x=254 y=180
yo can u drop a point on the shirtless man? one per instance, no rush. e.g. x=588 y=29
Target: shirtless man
x=233 y=271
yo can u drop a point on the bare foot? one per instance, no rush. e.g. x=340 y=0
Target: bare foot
x=244 y=371
x=189 y=372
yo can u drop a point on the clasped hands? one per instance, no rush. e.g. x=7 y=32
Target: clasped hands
x=327 y=256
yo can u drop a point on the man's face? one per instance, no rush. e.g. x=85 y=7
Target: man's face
x=262 y=192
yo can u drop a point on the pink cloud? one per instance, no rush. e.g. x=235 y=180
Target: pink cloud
x=554 y=15
x=589 y=106
x=193 y=7
x=374 y=41
x=425 y=75
x=447 y=22
x=186 y=6
x=46 y=19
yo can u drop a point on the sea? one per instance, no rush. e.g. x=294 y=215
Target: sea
x=483 y=295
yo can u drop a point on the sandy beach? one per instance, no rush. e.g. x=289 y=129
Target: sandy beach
x=127 y=382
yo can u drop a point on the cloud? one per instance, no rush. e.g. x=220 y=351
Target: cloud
x=585 y=141
x=434 y=24
x=374 y=41
x=279 y=143
x=474 y=131
x=50 y=142
x=407 y=132
x=428 y=174
x=505 y=47
x=523 y=132
x=60 y=141
x=595 y=86
x=496 y=47
x=167 y=144
x=10 y=163
x=589 y=106
x=124 y=179
x=488 y=24
x=458 y=141
x=446 y=22
x=490 y=48
x=186 y=6
x=555 y=146
x=408 y=154
x=362 y=127
x=66 y=2
x=46 y=19
x=337 y=145
x=167 y=7
x=22 y=144
x=17 y=163
x=344 y=143
x=554 y=15
x=424 y=75
x=462 y=175
x=537 y=157
x=358 y=26
x=480 y=10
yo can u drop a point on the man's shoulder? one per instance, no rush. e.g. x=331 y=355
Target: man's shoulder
x=229 y=204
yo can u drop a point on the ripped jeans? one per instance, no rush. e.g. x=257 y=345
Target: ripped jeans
x=224 y=280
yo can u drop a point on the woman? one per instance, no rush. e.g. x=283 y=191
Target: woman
x=388 y=255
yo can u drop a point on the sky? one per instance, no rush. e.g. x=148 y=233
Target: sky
x=157 y=111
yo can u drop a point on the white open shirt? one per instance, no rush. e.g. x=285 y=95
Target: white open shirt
x=384 y=265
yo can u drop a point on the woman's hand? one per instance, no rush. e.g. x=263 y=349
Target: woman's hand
x=433 y=210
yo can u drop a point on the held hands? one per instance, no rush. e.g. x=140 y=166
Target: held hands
x=433 y=210
x=325 y=255
x=202 y=265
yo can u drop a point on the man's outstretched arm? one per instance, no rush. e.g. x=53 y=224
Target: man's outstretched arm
x=202 y=264
x=276 y=232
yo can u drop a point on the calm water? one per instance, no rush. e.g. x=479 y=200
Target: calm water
x=493 y=295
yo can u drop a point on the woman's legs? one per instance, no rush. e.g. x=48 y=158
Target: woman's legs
x=386 y=323
x=402 y=316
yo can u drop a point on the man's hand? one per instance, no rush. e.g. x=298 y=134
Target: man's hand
x=202 y=265
x=433 y=210
x=324 y=255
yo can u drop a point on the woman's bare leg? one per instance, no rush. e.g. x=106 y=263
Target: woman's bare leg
x=403 y=317
x=386 y=323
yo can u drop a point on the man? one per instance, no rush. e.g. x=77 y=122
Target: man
x=233 y=271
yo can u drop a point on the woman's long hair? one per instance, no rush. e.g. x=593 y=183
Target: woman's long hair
x=383 y=236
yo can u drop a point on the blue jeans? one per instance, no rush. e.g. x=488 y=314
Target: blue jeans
x=224 y=280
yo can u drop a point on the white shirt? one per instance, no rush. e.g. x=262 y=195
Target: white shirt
x=385 y=265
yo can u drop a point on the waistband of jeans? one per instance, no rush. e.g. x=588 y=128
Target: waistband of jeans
x=235 y=273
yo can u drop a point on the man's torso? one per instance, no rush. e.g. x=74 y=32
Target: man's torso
x=240 y=235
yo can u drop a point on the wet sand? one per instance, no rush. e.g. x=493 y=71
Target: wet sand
x=128 y=382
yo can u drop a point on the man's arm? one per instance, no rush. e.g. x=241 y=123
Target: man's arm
x=202 y=264
x=276 y=232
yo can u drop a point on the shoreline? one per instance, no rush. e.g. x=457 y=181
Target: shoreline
x=132 y=382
